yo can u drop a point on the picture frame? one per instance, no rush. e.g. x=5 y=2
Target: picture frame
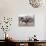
x=26 y=20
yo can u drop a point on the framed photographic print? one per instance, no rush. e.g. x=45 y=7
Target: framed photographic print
x=26 y=21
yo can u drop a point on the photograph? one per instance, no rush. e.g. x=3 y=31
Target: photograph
x=26 y=21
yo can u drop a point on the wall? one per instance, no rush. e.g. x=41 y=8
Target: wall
x=13 y=8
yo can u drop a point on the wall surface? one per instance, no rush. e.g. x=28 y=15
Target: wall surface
x=14 y=8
